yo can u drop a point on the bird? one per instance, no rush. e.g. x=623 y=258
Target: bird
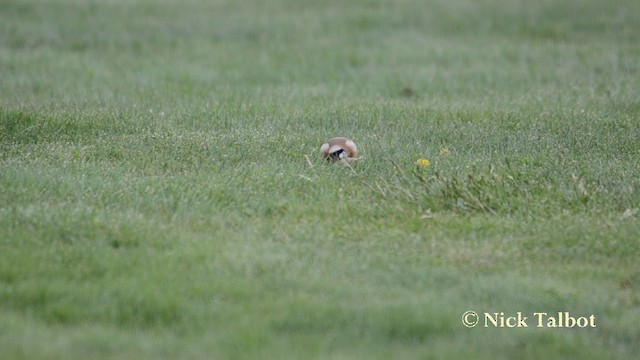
x=340 y=148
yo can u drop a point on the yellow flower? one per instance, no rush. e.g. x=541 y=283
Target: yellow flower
x=422 y=163
x=444 y=151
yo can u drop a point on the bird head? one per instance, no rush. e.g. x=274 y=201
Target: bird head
x=339 y=148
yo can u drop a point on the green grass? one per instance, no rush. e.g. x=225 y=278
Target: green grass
x=161 y=195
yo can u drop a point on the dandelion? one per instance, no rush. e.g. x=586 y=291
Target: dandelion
x=422 y=163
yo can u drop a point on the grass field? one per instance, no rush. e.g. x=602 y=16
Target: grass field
x=161 y=193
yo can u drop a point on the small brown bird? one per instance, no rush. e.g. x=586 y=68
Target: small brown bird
x=340 y=148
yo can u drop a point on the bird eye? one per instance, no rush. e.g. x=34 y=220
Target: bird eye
x=338 y=154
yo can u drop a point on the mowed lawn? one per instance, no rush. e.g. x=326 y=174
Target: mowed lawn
x=162 y=196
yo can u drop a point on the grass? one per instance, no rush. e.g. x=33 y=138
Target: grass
x=161 y=195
